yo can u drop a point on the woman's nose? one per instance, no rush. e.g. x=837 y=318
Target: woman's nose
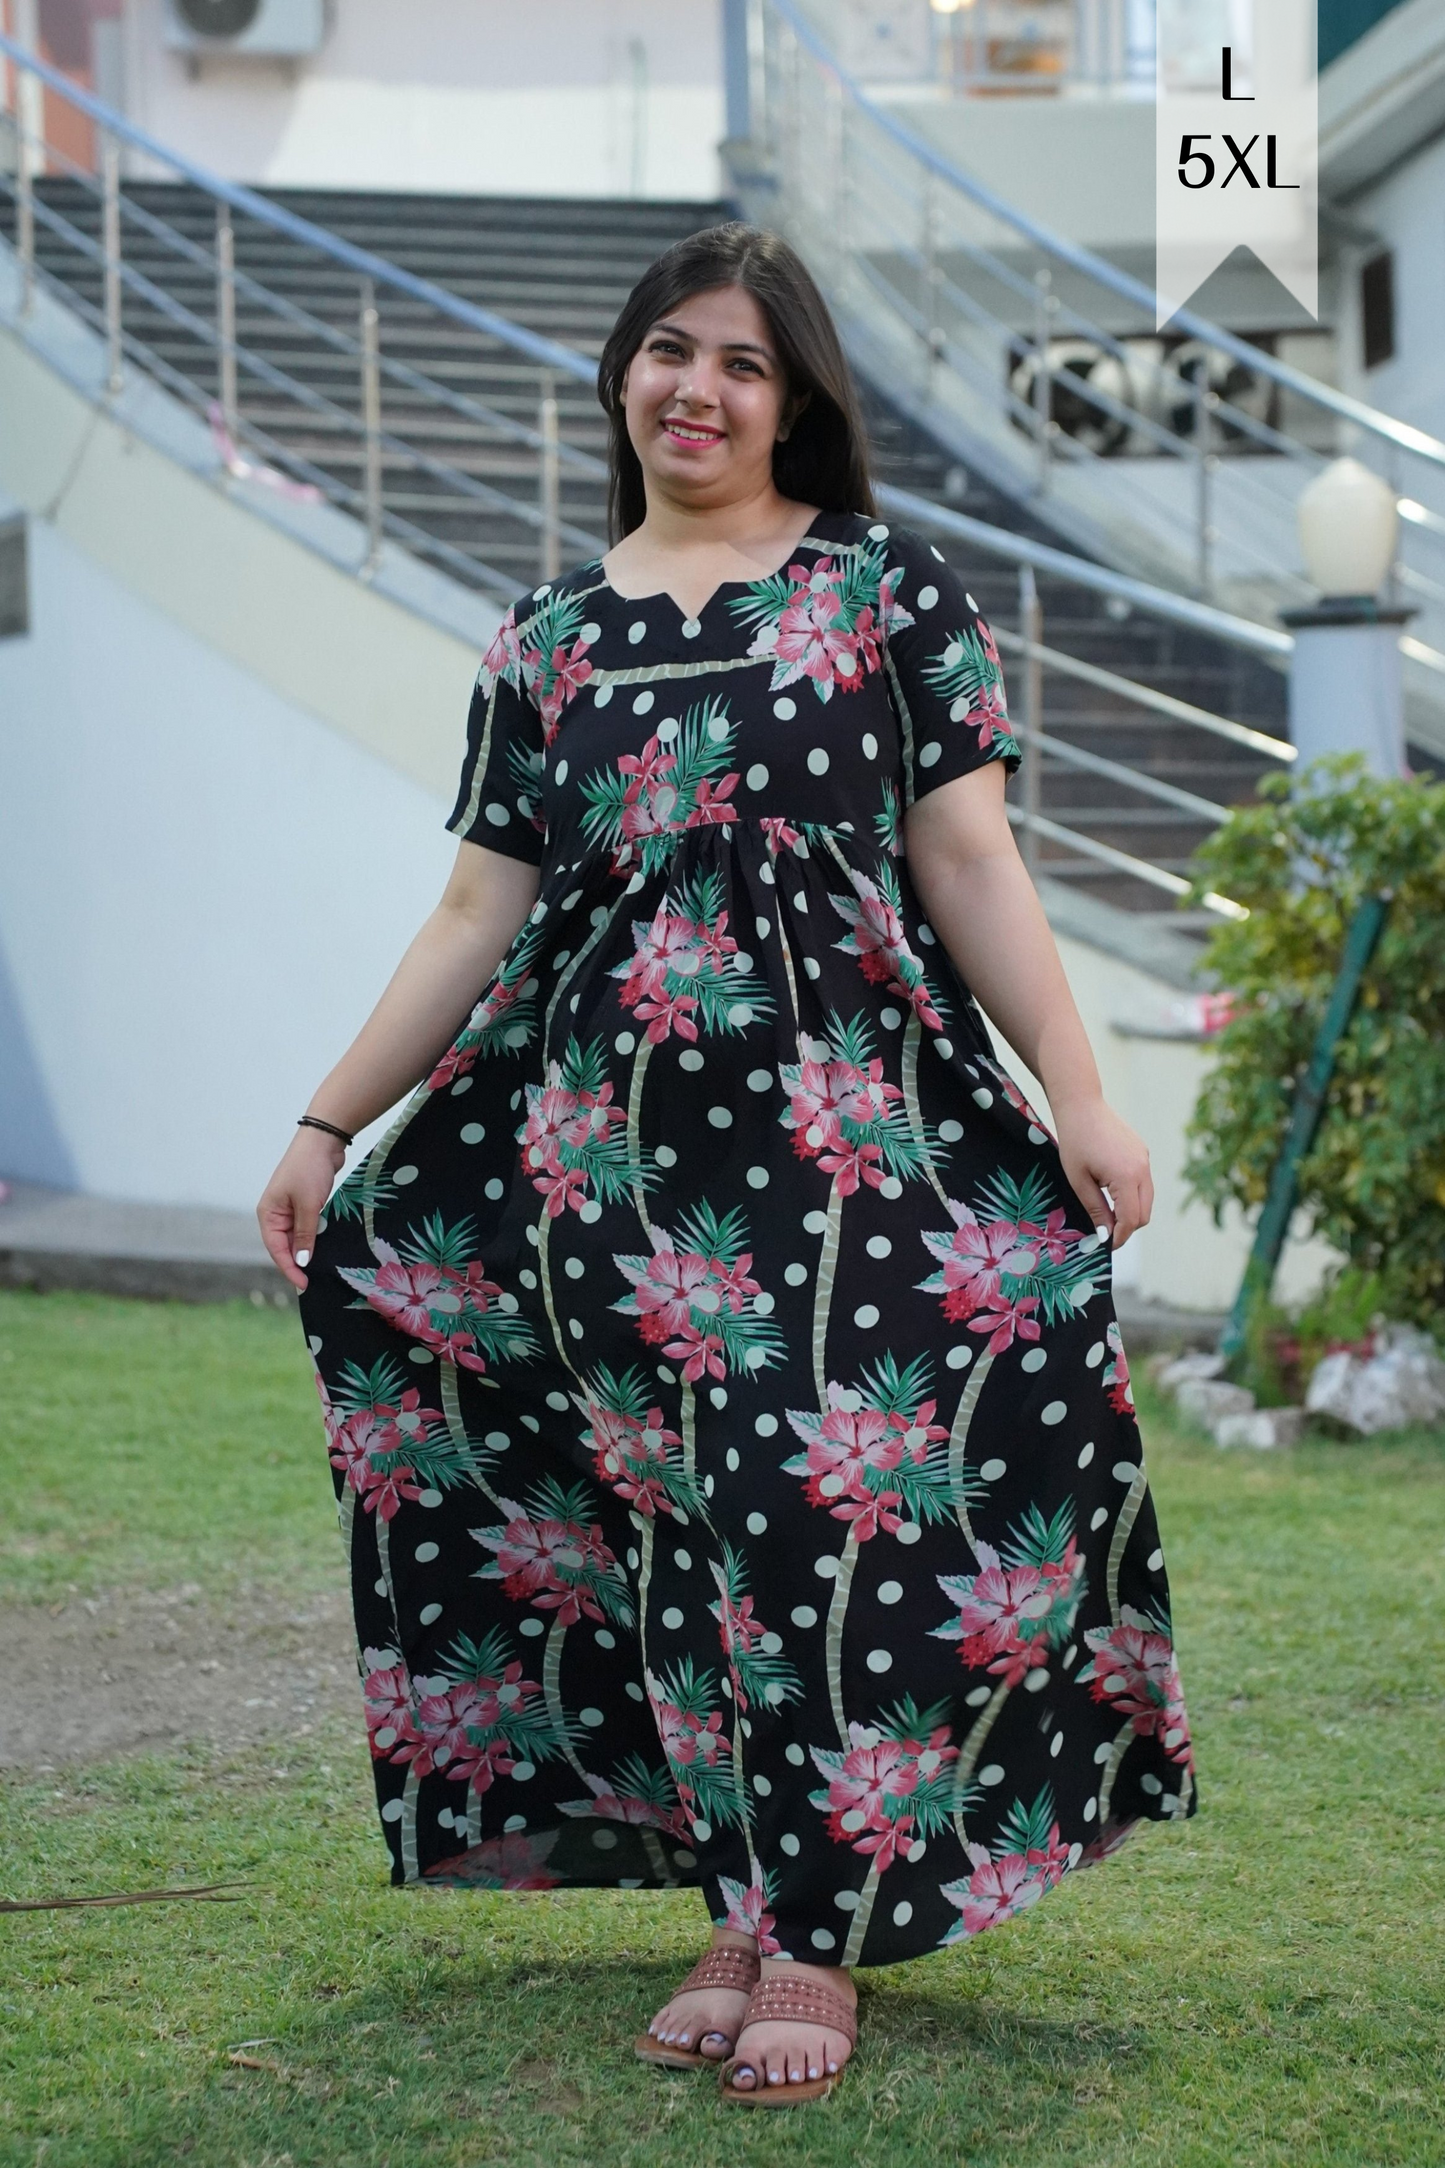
x=699 y=385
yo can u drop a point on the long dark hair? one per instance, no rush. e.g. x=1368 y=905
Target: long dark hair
x=824 y=459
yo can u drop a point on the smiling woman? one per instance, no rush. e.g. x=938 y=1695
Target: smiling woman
x=718 y=1255
x=727 y=335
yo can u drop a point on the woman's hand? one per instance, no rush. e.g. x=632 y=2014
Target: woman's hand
x=292 y=1200
x=1102 y=1153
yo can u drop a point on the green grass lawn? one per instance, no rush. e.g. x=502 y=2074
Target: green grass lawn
x=142 y=1443
x=1264 y=1985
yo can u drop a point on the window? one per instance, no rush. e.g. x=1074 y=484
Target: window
x=14 y=583
x=1377 y=308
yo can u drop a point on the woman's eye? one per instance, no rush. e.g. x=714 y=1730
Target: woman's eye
x=664 y=346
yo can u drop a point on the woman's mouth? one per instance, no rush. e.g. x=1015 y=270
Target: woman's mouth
x=691 y=432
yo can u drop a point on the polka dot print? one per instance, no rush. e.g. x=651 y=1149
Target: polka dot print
x=726 y=1416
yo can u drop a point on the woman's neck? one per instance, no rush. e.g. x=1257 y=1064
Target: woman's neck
x=688 y=551
x=748 y=525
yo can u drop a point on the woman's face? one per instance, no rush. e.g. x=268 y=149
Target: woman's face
x=706 y=399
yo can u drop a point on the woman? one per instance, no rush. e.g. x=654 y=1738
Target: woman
x=717 y=1354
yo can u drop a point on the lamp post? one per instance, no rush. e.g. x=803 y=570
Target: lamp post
x=1345 y=689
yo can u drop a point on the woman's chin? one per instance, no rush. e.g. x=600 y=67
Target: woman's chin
x=688 y=475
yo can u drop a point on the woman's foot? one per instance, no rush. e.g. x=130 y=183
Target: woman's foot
x=706 y=2019
x=769 y=2052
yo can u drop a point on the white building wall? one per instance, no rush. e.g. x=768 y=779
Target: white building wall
x=203 y=889
x=1407 y=211
x=555 y=98
x=225 y=761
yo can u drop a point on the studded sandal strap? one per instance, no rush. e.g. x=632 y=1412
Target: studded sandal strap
x=725 y=1967
x=780 y=1997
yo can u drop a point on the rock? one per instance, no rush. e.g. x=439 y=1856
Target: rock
x=1179 y=1369
x=1331 y=1386
x=1263 y=1428
x=1207 y=1399
x=1403 y=1382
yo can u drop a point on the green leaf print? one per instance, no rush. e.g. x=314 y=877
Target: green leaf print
x=931 y=1800
x=505 y=1020
x=549 y=1544
x=1028 y=1829
x=633 y=1793
x=350 y=1199
x=521 y=1719
x=526 y=770
x=497 y=1330
x=888 y=821
x=681 y=972
x=632 y=1447
x=966 y=672
x=877 y=940
x=381 y=1386
x=764 y=601
x=693 y=1297
x=906 y=1156
x=918 y=1485
x=574 y=1135
x=687 y=1703
x=762 y=1677
x=1041 y=1542
x=645 y=800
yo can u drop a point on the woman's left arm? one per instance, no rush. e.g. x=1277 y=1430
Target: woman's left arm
x=985 y=910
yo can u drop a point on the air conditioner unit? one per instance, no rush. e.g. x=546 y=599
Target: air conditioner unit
x=260 y=29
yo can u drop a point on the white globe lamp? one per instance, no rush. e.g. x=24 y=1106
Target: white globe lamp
x=1348 y=528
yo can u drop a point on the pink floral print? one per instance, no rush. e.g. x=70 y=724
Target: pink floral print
x=730 y=1429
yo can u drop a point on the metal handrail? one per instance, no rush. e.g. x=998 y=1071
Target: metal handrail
x=1240 y=632
x=119 y=278
x=982 y=317
x=351 y=499
x=1146 y=696
x=1070 y=320
x=1114 y=771
x=1104 y=273
x=345 y=342
x=316 y=402
x=1138 y=869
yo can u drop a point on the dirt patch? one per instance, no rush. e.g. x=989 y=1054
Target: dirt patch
x=99 y=1676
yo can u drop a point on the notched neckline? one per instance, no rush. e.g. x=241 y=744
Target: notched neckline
x=809 y=537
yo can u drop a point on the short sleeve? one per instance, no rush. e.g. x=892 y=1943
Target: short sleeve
x=499 y=799
x=944 y=672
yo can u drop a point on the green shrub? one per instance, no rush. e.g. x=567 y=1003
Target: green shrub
x=1301 y=859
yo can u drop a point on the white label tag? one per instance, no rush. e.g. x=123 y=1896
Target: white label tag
x=1236 y=144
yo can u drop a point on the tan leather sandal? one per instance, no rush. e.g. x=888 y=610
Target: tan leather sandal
x=727 y=1966
x=778 y=1997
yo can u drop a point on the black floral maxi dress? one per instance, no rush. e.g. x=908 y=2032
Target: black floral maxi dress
x=731 y=1430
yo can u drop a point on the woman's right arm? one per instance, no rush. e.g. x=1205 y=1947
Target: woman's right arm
x=432 y=992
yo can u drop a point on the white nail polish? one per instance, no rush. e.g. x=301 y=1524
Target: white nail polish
x=303 y=1257
x=1102 y=1232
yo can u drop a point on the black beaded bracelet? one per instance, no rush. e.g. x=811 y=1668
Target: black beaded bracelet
x=314 y=1121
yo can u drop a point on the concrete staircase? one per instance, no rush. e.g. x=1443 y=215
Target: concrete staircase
x=563 y=268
